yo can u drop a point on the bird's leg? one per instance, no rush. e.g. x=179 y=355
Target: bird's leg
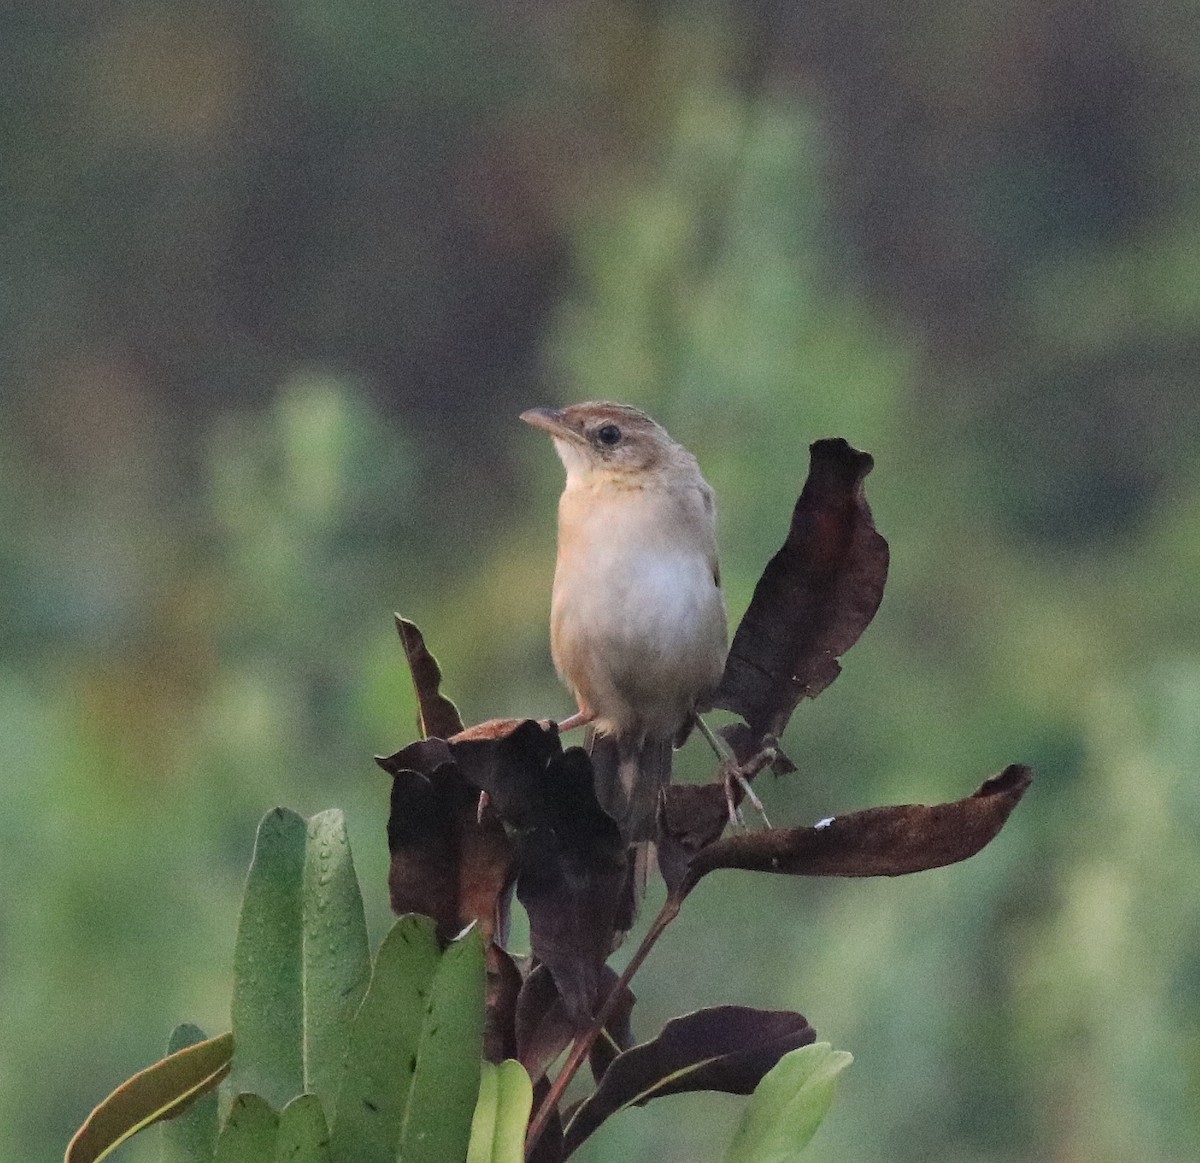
x=580 y=719
x=732 y=772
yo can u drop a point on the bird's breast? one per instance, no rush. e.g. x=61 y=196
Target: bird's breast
x=638 y=622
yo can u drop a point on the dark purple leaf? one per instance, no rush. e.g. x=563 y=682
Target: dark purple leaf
x=545 y=1029
x=891 y=841
x=439 y=717
x=617 y=1036
x=507 y=758
x=814 y=599
x=549 y=1147
x=573 y=869
x=572 y=881
x=727 y=1048
x=691 y=816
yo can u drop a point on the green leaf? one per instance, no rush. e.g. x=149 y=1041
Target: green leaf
x=337 y=957
x=384 y=1042
x=788 y=1105
x=303 y=1132
x=250 y=1133
x=501 y=1114
x=268 y=1003
x=155 y=1093
x=190 y=1137
x=437 y=1125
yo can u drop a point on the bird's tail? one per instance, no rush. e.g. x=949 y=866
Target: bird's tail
x=629 y=777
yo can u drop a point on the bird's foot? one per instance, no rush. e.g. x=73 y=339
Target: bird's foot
x=735 y=776
x=581 y=718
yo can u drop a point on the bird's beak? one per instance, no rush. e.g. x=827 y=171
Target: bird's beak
x=553 y=421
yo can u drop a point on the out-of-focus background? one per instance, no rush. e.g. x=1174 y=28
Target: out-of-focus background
x=276 y=279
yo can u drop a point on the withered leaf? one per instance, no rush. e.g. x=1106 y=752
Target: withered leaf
x=549 y=1147
x=690 y=817
x=572 y=880
x=617 y=1036
x=504 y=983
x=446 y=862
x=726 y=1048
x=572 y=864
x=889 y=841
x=507 y=758
x=745 y=744
x=439 y=717
x=545 y=1029
x=814 y=599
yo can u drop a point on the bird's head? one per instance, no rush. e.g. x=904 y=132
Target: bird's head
x=607 y=440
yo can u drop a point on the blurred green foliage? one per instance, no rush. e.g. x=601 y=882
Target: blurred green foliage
x=276 y=280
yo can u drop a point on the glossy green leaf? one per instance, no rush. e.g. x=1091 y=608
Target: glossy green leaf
x=303 y=1132
x=191 y=1136
x=501 y=1114
x=788 y=1105
x=154 y=1093
x=250 y=1132
x=268 y=1003
x=385 y=1038
x=337 y=958
x=437 y=1124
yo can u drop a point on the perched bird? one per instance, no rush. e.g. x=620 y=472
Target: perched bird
x=637 y=626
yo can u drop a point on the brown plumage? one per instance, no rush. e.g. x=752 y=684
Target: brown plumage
x=637 y=628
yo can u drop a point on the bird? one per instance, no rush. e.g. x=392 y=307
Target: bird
x=638 y=629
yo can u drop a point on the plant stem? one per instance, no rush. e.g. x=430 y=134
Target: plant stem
x=583 y=1043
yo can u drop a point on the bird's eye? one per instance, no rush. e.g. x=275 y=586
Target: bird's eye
x=609 y=434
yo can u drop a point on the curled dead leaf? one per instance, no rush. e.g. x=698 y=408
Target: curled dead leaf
x=888 y=841
x=814 y=599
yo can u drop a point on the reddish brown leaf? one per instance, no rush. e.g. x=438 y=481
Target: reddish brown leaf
x=727 y=1048
x=692 y=816
x=746 y=744
x=891 y=841
x=814 y=599
x=439 y=717
x=492 y=729
x=446 y=862
x=504 y=983
x=486 y=871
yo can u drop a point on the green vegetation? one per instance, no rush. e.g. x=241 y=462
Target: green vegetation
x=271 y=315
x=339 y=1058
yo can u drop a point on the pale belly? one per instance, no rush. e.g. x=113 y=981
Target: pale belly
x=640 y=637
